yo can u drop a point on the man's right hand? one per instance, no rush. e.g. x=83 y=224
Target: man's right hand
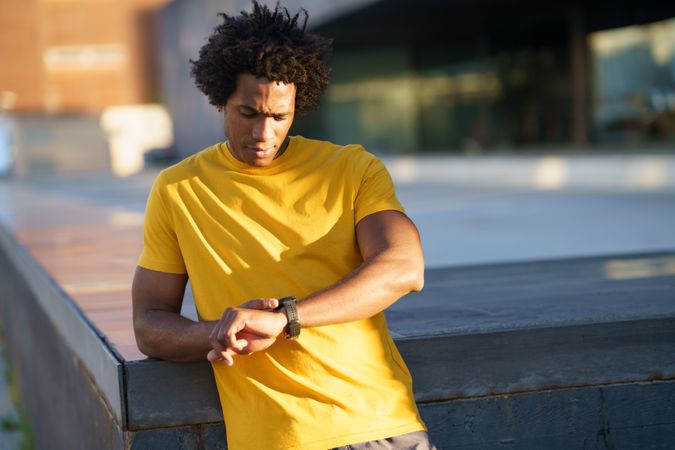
x=161 y=332
x=249 y=328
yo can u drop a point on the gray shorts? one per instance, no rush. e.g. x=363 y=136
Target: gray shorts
x=418 y=440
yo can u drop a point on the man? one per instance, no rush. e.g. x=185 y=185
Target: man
x=263 y=218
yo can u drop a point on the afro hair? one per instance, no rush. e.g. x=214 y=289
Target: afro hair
x=269 y=44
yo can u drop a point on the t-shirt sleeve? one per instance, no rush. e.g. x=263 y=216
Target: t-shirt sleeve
x=161 y=251
x=376 y=191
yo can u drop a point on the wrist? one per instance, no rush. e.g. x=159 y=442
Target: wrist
x=287 y=306
x=282 y=319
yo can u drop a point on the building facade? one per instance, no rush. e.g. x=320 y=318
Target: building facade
x=77 y=56
x=472 y=77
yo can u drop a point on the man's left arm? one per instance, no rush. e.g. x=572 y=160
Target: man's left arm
x=393 y=265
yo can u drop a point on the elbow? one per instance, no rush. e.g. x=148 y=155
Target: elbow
x=149 y=349
x=144 y=341
x=418 y=279
x=144 y=347
x=412 y=277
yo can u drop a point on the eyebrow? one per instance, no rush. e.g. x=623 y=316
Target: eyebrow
x=252 y=109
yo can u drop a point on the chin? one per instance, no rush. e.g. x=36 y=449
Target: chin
x=259 y=163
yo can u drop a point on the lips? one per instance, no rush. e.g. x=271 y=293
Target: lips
x=261 y=152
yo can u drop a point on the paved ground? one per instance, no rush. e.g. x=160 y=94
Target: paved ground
x=462 y=226
x=473 y=225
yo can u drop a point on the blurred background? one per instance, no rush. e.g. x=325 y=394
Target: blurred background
x=515 y=131
x=104 y=85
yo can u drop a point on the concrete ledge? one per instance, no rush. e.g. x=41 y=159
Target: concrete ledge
x=454 y=367
x=69 y=381
x=187 y=394
x=568 y=354
x=86 y=343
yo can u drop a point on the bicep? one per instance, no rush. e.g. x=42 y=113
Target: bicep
x=390 y=231
x=153 y=290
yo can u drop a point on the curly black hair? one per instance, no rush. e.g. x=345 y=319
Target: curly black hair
x=264 y=43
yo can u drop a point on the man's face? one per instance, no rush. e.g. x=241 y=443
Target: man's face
x=258 y=115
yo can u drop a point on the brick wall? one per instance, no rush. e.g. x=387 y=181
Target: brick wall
x=77 y=55
x=20 y=50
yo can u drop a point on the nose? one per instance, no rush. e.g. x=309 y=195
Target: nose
x=263 y=130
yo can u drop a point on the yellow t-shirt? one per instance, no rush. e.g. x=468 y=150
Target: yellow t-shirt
x=243 y=232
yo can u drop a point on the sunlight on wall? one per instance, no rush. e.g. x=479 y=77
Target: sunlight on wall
x=648 y=173
x=132 y=131
x=550 y=173
x=640 y=268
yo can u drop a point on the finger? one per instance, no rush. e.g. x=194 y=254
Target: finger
x=232 y=340
x=213 y=356
x=217 y=343
x=224 y=356
x=214 y=331
x=220 y=343
x=228 y=328
x=232 y=324
x=240 y=346
x=261 y=303
x=244 y=350
x=227 y=358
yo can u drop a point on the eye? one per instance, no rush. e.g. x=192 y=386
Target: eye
x=279 y=118
x=247 y=112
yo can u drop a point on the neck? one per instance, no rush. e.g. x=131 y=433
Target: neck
x=283 y=147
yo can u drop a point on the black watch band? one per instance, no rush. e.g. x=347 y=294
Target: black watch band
x=287 y=304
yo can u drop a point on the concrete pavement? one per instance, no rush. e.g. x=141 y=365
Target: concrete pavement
x=641 y=171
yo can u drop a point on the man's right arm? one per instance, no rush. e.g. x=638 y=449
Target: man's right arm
x=161 y=332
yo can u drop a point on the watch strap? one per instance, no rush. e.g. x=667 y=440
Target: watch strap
x=288 y=304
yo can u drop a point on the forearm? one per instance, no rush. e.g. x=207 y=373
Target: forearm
x=170 y=336
x=371 y=288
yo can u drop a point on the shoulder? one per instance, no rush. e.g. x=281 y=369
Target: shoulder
x=355 y=154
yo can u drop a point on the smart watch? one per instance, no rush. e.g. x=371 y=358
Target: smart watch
x=287 y=304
